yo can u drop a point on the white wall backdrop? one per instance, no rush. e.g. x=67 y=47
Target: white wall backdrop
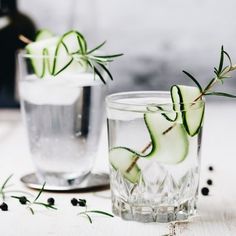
x=159 y=37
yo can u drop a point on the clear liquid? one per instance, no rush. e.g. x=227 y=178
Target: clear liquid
x=165 y=191
x=63 y=128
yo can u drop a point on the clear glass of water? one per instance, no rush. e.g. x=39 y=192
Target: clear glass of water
x=62 y=115
x=154 y=162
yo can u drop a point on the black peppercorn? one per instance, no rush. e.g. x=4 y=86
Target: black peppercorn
x=82 y=202
x=4 y=207
x=205 y=191
x=74 y=201
x=209 y=182
x=51 y=201
x=23 y=200
x=210 y=168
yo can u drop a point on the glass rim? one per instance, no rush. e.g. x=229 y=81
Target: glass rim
x=24 y=54
x=113 y=102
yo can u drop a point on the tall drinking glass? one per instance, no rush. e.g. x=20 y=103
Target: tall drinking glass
x=63 y=116
x=154 y=161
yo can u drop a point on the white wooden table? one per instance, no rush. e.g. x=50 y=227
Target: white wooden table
x=217 y=212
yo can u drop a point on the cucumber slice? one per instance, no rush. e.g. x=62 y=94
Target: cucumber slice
x=169 y=147
x=170 y=116
x=59 y=53
x=43 y=34
x=70 y=43
x=59 y=59
x=192 y=113
x=74 y=42
x=38 y=50
x=121 y=158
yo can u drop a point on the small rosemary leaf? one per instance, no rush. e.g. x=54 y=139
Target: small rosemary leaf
x=31 y=210
x=221 y=59
x=6 y=181
x=82 y=43
x=226 y=77
x=45 y=205
x=40 y=192
x=193 y=79
x=110 y=56
x=216 y=71
x=228 y=58
x=100 y=59
x=107 y=71
x=225 y=70
x=100 y=212
x=221 y=94
x=99 y=74
x=96 y=48
x=91 y=65
x=89 y=218
x=15 y=197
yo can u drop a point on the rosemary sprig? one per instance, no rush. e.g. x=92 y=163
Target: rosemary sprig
x=87 y=212
x=98 y=63
x=5 y=191
x=221 y=74
x=4 y=186
x=25 y=201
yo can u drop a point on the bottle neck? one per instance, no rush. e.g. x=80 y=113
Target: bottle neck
x=8 y=6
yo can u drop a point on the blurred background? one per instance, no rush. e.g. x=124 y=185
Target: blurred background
x=159 y=38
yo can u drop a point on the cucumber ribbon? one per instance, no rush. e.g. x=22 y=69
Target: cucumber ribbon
x=169 y=135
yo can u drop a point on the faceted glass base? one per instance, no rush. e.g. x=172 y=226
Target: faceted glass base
x=155 y=213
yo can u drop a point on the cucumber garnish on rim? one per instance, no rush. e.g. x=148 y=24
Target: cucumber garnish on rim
x=189 y=107
x=192 y=113
x=68 y=53
x=38 y=53
x=43 y=34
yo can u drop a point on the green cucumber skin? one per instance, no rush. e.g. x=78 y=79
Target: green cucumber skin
x=132 y=178
x=34 y=67
x=166 y=116
x=184 y=113
x=186 y=124
x=43 y=34
x=83 y=48
x=52 y=66
x=155 y=144
x=54 y=72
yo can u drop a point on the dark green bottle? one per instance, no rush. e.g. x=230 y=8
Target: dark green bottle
x=12 y=23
